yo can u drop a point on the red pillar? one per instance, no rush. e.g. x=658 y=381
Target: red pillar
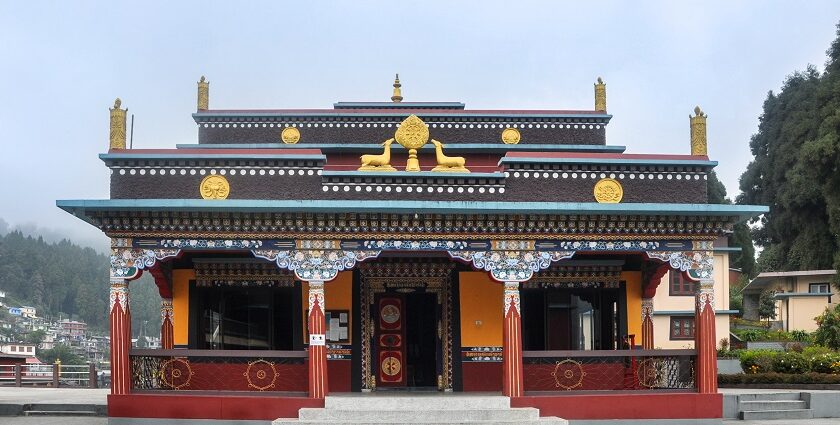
x=120 y=320
x=647 y=324
x=705 y=338
x=317 y=341
x=167 y=334
x=512 y=381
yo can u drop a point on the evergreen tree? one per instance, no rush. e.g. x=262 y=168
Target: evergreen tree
x=795 y=171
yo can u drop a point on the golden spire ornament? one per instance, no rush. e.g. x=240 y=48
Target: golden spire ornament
x=203 y=94
x=397 y=97
x=600 y=96
x=698 y=132
x=117 y=135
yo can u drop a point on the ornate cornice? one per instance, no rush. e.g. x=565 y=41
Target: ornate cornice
x=188 y=225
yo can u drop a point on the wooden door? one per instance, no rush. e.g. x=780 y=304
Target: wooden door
x=390 y=340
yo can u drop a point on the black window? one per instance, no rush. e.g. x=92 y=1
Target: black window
x=679 y=285
x=682 y=328
x=235 y=318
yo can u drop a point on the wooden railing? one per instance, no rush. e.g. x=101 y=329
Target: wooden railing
x=609 y=370
x=219 y=370
x=51 y=375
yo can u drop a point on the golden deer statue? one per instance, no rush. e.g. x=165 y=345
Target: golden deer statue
x=452 y=164
x=378 y=162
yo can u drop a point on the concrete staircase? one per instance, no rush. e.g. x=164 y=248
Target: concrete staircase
x=416 y=408
x=63 y=410
x=768 y=406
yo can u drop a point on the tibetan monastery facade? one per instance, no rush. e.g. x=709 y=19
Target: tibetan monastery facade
x=382 y=246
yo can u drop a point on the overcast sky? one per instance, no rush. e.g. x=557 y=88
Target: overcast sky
x=63 y=63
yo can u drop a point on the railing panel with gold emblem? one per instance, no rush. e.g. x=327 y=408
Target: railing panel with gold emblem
x=609 y=370
x=219 y=370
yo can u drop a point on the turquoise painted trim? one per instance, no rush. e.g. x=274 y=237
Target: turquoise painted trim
x=399 y=105
x=538 y=160
x=690 y=312
x=728 y=249
x=451 y=207
x=802 y=294
x=368 y=147
x=348 y=113
x=413 y=174
x=221 y=155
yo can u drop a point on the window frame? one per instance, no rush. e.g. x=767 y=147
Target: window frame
x=683 y=321
x=819 y=284
x=683 y=282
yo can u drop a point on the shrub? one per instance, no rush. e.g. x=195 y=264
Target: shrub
x=757 y=361
x=828 y=330
x=800 y=335
x=815 y=350
x=791 y=362
x=753 y=335
x=779 y=378
x=824 y=363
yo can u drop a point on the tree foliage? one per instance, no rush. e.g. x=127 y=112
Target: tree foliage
x=828 y=330
x=63 y=278
x=767 y=305
x=795 y=171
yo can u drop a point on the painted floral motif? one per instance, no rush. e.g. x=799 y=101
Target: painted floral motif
x=610 y=245
x=699 y=265
x=322 y=265
x=414 y=245
x=511 y=298
x=126 y=263
x=211 y=243
x=511 y=266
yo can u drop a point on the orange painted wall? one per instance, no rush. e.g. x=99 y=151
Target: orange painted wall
x=633 y=285
x=338 y=295
x=481 y=300
x=181 y=304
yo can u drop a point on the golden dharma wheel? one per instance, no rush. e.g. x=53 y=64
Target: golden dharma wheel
x=412 y=133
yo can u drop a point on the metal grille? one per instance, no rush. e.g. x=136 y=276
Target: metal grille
x=212 y=370
x=609 y=370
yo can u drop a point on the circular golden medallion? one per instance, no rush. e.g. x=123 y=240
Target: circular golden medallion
x=412 y=133
x=391 y=366
x=290 y=135
x=214 y=186
x=390 y=314
x=510 y=136
x=608 y=191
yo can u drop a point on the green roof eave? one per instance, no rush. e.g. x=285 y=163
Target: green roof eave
x=81 y=207
x=108 y=157
x=372 y=147
x=535 y=160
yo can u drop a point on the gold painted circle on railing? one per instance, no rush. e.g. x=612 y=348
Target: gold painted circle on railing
x=568 y=374
x=261 y=374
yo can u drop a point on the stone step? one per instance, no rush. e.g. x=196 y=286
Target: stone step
x=769 y=396
x=64 y=407
x=432 y=414
x=59 y=413
x=772 y=405
x=777 y=414
x=540 y=421
x=415 y=402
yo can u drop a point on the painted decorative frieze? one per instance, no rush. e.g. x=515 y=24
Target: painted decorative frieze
x=511 y=266
x=315 y=264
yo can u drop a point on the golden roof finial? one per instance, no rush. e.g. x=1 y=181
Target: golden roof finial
x=203 y=94
x=600 y=96
x=397 y=97
x=699 y=145
x=117 y=133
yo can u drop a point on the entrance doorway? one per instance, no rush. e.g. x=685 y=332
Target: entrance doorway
x=406 y=344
